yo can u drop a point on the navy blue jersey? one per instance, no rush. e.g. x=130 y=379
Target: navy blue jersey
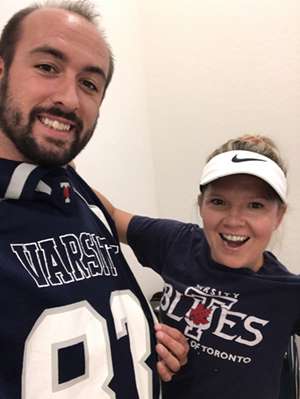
x=74 y=323
x=238 y=322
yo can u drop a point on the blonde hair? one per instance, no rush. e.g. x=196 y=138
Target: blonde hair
x=261 y=144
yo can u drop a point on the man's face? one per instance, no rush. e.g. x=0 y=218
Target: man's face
x=51 y=94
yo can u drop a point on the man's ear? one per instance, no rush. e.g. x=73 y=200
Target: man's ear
x=2 y=67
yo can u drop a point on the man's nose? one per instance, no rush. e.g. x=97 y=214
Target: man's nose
x=66 y=95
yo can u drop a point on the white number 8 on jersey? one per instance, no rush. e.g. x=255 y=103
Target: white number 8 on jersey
x=64 y=326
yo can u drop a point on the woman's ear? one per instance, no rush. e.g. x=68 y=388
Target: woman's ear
x=281 y=212
x=200 y=201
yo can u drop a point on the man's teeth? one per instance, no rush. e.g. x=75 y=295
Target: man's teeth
x=235 y=238
x=54 y=124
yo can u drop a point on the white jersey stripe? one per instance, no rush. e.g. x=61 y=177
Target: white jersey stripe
x=18 y=180
x=43 y=188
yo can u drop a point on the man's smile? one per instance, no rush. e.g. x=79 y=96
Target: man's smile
x=55 y=124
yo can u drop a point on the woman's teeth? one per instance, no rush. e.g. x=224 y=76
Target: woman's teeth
x=234 y=238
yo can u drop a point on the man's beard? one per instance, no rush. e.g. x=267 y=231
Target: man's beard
x=20 y=133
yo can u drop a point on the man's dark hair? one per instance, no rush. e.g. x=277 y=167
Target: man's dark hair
x=12 y=31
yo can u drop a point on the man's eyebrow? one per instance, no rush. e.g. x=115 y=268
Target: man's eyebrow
x=51 y=51
x=62 y=57
x=95 y=69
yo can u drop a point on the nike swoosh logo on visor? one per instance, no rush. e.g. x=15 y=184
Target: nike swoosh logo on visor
x=236 y=159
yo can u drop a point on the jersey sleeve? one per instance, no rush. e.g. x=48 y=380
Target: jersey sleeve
x=152 y=239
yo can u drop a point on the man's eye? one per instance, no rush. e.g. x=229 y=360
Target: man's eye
x=46 y=68
x=89 y=85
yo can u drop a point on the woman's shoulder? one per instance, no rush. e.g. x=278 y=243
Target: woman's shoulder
x=274 y=267
x=163 y=225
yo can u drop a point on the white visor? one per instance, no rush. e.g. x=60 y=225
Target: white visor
x=248 y=162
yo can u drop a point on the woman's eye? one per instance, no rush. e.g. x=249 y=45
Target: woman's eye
x=217 y=201
x=256 y=205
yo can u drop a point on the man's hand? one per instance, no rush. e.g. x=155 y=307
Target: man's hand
x=172 y=349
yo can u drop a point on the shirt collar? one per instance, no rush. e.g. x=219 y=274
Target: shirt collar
x=21 y=180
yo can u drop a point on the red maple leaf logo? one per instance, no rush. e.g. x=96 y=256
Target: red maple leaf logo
x=200 y=314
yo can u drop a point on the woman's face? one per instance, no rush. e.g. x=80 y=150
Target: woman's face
x=239 y=216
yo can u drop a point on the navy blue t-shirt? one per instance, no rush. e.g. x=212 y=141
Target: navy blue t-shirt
x=238 y=322
x=74 y=323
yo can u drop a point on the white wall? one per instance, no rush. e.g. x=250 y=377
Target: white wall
x=217 y=69
x=190 y=75
x=211 y=70
x=119 y=159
